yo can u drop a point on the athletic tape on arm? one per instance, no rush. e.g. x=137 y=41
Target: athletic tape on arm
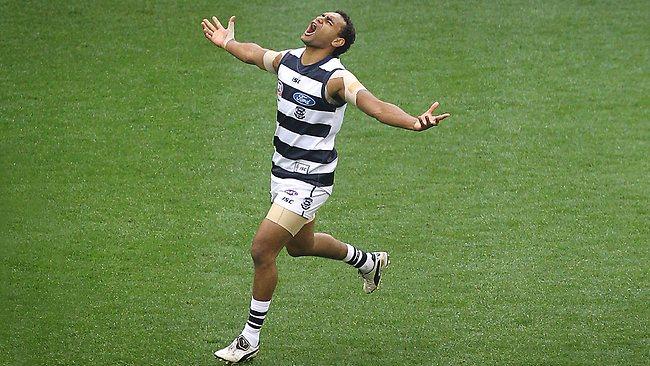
x=351 y=84
x=269 y=57
x=229 y=37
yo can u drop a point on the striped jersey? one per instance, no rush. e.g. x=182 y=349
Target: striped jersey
x=306 y=122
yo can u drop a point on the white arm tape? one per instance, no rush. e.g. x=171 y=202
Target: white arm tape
x=351 y=84
x=229 y=37
x=269 y=57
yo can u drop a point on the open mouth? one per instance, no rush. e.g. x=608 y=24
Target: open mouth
x=311 y=29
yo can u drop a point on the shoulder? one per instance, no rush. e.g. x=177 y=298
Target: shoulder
x=287 y=55
x=279 y=57
x=333 y=64
x=296 y=51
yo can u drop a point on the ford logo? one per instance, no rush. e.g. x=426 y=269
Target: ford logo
x=304 y=99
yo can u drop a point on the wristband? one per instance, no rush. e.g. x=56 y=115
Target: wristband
x=226 y=43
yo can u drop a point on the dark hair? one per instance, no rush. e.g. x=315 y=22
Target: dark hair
x=348 y=33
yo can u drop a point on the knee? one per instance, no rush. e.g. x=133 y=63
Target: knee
x=261 y=254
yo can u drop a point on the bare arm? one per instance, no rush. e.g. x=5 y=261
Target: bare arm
x=393 y=115
x=249 y=53
x=353 y=92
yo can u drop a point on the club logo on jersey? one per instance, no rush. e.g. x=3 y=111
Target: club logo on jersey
x=299 y=112
x=291 y=192
x=303 y=99
x=306 y=203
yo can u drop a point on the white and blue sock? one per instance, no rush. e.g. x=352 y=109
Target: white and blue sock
x=357 y=258
x=256 y=316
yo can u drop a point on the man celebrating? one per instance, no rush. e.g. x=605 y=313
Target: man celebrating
x=314 y=89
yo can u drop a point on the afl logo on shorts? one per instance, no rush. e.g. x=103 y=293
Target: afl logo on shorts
x=306 y=203
x=304 y=99
x=299 y=112
x=291 y=192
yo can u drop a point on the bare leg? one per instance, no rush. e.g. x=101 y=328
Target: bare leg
x=306 y=243
x=268 y=242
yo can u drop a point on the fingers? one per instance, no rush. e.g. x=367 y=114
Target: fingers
x=217 y=22
x=441 y=117
x=206 y=29
x=209 y=27
x=427 y=120
x=206 y=24
x=433 y=107
x=419 y=125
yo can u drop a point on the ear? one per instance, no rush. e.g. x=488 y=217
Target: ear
x=338 y=42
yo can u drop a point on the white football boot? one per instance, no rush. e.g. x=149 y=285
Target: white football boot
x=239 y=350
x=372 y=278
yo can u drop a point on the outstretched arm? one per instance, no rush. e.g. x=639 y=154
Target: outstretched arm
x=393 y=115
x=249 y=53
x=344 y=86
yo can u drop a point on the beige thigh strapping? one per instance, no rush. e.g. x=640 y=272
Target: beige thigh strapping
x=287 y=219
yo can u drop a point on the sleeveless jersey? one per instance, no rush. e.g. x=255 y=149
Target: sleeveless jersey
x=306 y=122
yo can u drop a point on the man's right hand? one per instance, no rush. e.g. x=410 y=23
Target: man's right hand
x=216 y=33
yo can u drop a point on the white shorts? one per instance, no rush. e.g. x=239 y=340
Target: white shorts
x=300 y=198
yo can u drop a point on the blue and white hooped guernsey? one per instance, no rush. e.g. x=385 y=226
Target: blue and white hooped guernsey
x=306 y=122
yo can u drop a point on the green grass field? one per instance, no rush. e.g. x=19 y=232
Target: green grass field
x=135 y=162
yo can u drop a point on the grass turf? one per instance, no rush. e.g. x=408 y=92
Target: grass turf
x=134 y=162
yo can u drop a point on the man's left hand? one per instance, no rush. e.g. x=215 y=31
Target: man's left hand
x=428 y=120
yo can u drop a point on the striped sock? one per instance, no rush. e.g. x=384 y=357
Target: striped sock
x=256 y=317
x=359 y=259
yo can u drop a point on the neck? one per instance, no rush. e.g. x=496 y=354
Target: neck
x=312 y=55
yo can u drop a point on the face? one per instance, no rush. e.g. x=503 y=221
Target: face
x=324 y=31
